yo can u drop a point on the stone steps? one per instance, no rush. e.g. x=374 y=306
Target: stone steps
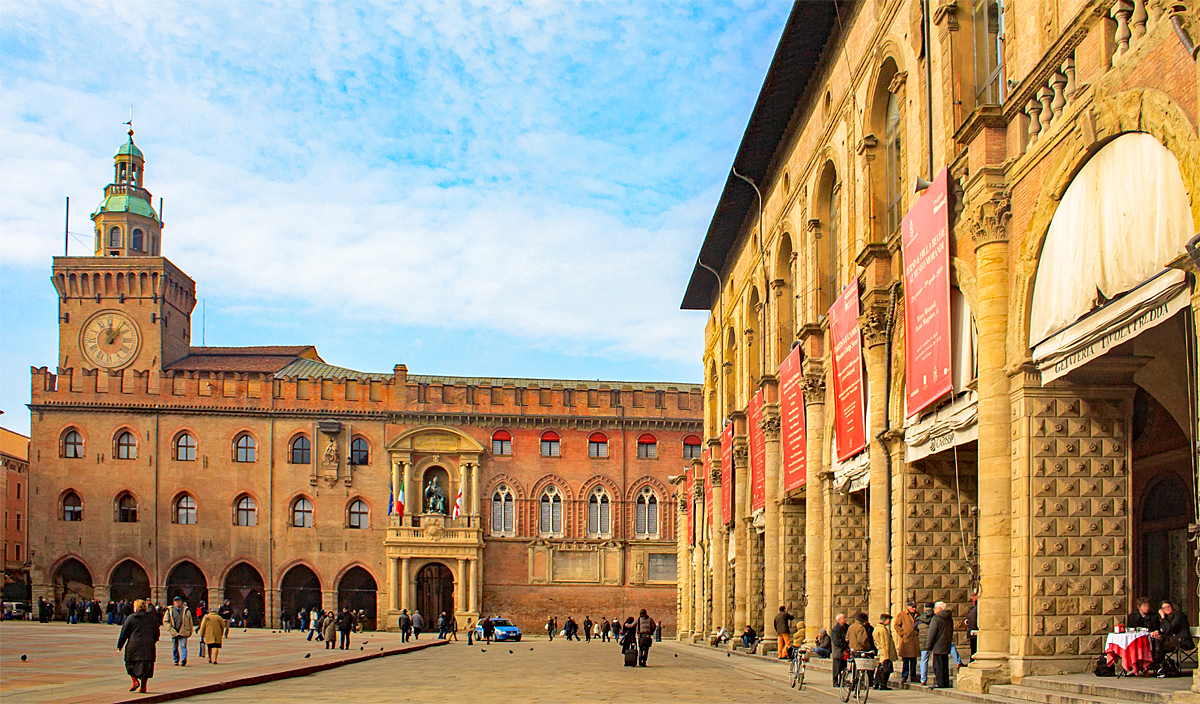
x=1108 y=688
x=1039 y=695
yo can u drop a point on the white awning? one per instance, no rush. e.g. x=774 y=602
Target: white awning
x=1118 y=321
x=952 y=424
x=854 y=474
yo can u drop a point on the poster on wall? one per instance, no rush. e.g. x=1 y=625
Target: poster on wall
x=848 y=403
x=758 y=453
x=706 y=467
x=727 y=473
x=793 y=436
x=925 y=239
x=691 y=531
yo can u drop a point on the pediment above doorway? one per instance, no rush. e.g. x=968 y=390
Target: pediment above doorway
x=435 y=439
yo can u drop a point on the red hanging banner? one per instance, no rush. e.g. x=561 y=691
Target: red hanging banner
x=706 y=467
x=691 y=527
x=758 y=454
x=792 y=432
x=727 y=473
x=925 y=238
x=849 y=420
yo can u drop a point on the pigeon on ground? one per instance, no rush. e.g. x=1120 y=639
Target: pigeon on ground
x=676 y=654
x=24 y=658
x=510 y=652
x=728 y=655
x=307 y=656
x=482 y=650
x=361 y=647
x=531 y=648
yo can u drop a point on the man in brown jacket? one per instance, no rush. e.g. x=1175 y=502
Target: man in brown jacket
x=908 y=643
x=858 y=637
x=178 y=622
x=783 y=629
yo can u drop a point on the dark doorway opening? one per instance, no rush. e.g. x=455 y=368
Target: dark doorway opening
x=300 y=589
x=128 y=582
x=187 y=581
x=72 y=580
x=1166 y=513
x=244 y=590
x=357 y=592
x=435 y=591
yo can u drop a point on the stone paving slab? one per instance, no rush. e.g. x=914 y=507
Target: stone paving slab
x=80 y=662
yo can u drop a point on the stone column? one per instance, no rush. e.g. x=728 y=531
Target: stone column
x=683 y=568
x=699 y=555
x=874 y=325
x=411 y=501
x=461 y=600
x=216 y=597
x=397 y=476
x=770 y=427
x=404 y=583
x=816 y=611
x=718 y=544
x=988 y=226
x=462 y=487
x=393 y=575
x=741 y=560
x=475 y=584
x=475 y=493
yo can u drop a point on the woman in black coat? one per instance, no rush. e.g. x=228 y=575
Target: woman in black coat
x=629 y=641
x=139 y=637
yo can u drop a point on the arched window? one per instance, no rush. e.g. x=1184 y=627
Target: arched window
x=503 y=512
x=185 y=448
x=137 y=240
x=550 y=444
x=827 y=233
x=501 y=443
x=894 y=171
x=72 y=507
x=302 y=513
x=550 y=518
x=599 y=514
x=300 y=451
x=245 y=513
x=185 y=510
x=597 y=445
x=357 y=515
x=114 y=237
x=645 y=519
x=360 y=451
x=126 y=446
x=244 y=448
x=691 y=448
x=126 y=508
x=72 y=444
x=647 y=447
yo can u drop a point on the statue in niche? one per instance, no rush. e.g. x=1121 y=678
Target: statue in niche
x=435 y=498
x=331 y=453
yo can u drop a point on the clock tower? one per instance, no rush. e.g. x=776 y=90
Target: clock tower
x=126 y=307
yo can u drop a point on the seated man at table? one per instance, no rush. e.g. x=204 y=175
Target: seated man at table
x=1142 y=616
x=1173 y=633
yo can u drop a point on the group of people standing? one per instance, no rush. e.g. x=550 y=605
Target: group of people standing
x=141 y=629
x=602 y=630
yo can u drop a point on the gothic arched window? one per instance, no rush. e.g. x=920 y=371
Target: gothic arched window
x=244 y=448
x=894 y=172
x=503 y=512
x=72 y=444
x=357 y=515
x=300 y=451
x=599 y=514
x=126 y=446
x=645 y=520
x=185 y=510
x=245 y=512
x=126 y=508
x=550 y=516
x=72 y=507
x=302 y=513
x=185 y=448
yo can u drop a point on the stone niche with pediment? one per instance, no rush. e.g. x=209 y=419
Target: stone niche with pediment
x=576 y=562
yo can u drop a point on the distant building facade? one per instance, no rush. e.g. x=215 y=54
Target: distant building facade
x=1053 y=470
x=268 y=477
x=14 y=458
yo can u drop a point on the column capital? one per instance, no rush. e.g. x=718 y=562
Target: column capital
x=741 y=455
x=770 y=425
x=987 y=222
x=875 y=323
x=813 y=387
x=715 y=477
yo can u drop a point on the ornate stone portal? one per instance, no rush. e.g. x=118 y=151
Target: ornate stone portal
x=427 y=534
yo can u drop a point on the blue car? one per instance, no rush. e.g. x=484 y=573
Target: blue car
x=505 y=630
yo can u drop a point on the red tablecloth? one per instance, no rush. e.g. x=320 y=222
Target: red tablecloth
x=1132 y=648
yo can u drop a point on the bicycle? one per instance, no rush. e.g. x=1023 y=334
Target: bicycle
x=799 y=660
x=856 y=678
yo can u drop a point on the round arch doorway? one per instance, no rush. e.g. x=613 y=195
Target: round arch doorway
x=357 y=591
x=435 y=592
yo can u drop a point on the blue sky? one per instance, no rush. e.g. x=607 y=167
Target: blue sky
x=467 y=188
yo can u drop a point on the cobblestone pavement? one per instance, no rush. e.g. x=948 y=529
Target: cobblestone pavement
x=78 y=663
x=535 y=671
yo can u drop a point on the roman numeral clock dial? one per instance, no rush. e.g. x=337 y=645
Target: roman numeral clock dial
x=110 y=340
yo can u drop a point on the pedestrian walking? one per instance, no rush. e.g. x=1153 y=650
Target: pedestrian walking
x=442 y=625
x=886 y=646
x=783 y=631
x=941 y=636
x=923 y=622
x=489 y=630
x=139 y=636
x=226 y=614
x=418 y=624
x=178 y=621
x=550 y=627
x=972 y=624
x=212 y=634
x=453 y=628
x=571 y=629
x=470 y=631
x=405 y=626
x=605 y=629
x=908 y=643
x=329 y=629
x=645 y=636
x=629 y=643
x=837 y=639
x=587 y=629
x=345 y=625
x=658 y=632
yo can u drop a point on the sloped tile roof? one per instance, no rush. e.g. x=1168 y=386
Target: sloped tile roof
x=264 y=359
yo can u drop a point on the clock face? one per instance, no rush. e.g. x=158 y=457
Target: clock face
x=110 y=339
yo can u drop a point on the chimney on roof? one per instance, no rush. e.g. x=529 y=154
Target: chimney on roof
x=400 y=373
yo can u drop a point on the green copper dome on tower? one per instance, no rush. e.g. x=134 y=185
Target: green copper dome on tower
x=129 y=148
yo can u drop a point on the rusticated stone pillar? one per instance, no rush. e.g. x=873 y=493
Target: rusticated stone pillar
x=875 y=325
x=816 y=610
x=741 y=586
x=683 y=565
x=718 y=542
x=989 y=226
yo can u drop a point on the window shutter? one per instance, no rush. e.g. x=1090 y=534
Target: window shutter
x=639 y=523
x=556 y=516
x=605 y=517
x=544 y=523
x=497 y=514
x=652 y=517
x=593 y=516
x=509 y=515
